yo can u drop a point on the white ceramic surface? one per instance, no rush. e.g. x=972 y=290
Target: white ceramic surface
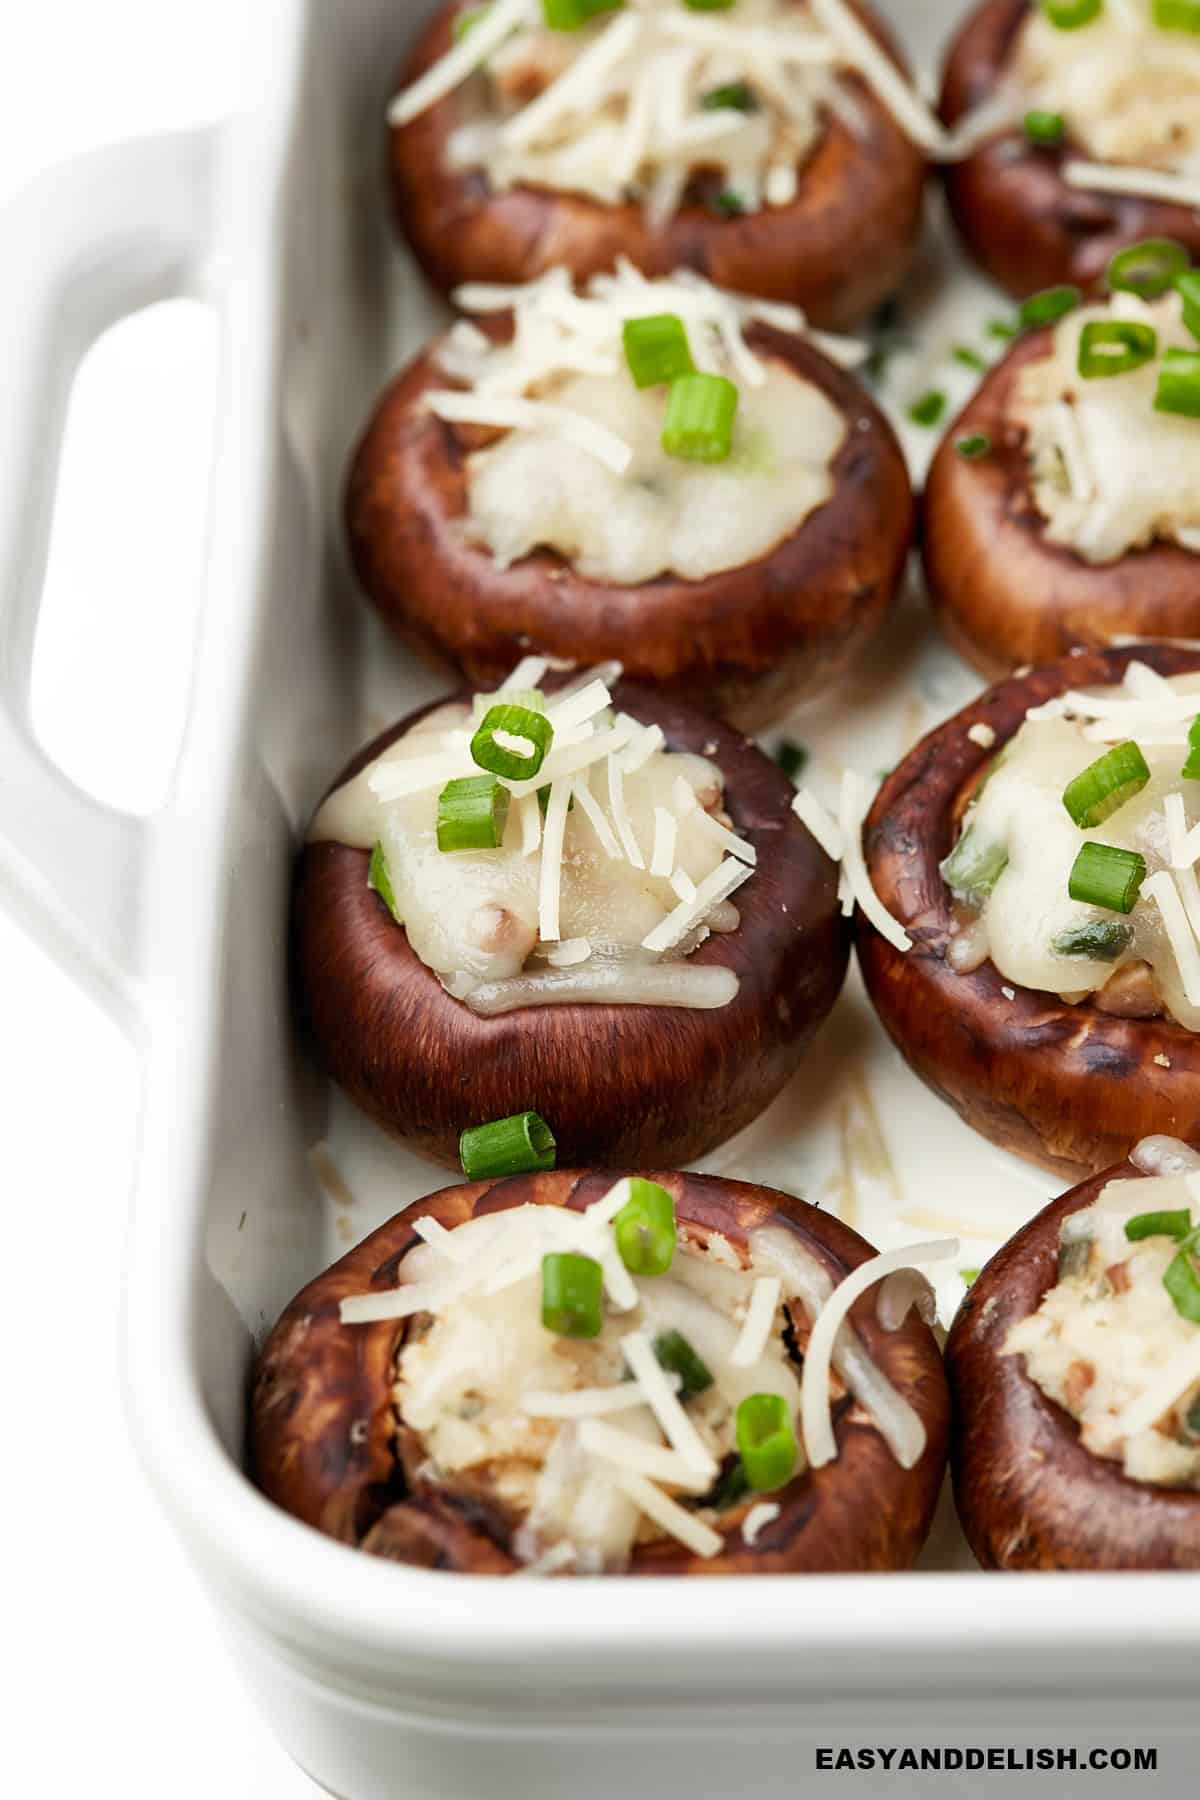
x=384 y=1680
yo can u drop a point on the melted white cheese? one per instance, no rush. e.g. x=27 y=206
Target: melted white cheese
x=1103 y=1336
x=1021 y=810
x=1099 y=496
x=1130 y=92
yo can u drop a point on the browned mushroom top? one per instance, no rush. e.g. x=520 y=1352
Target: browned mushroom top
x=331 y=1446
x=1031 y=1495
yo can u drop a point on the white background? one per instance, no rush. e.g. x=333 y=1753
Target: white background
x=118 y=1681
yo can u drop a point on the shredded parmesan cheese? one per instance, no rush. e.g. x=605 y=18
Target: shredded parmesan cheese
x=691 y=1532
x=757 y=1520
x=855 y=804
x=816 y=820
x=636 y=1457
x=661 y=1397
x=760 y=1318
x=1148 y=184
x=716 y=887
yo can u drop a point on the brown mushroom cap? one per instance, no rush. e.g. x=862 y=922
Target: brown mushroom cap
x=323 y=1428
x=746 y=642
x=838 y=250
x=617 y=1084
x=1017 y=216
x=1070 y=1087
x=1003 y=594
x=1028 y=1494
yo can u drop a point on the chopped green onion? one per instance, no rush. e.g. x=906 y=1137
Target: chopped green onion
x=1073 y=1258
x=571 y=1291
x=1148 y=268
x=708 y=5
x=730 y=1486
x=728 y=203
x=735 y=96
x=1003 y=328
x=472 y=813
x=1069 y=15
x=1179 y=384
x=1103 y=875
x=1115 y=347
x=1191 y=1419
x=518 y=722
x=1188 y=288
x=974 y=446
x=969 y=1276
x=928 y=409
x=970 y=359
x=699 y=422
x=766 y=1441
x=1182 y=1281
x=1051 y=304
x=974 y=866
x=792 y=758
x=1191 y=768
x=1103 y=940
x=571 y=15
x=516 y=1146
x=1177 y=15
x=676 y=1355
x=1158 y=1224
x=1045 y=127
x=1105 y=785
x=379 y=879
x=467 y=20
x=656 y=349
x=645 y=1228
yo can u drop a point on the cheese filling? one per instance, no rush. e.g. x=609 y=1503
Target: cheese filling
x=1128 y=90
x=1107 y=1342
x=638 y=102
x=1098 y=499
x=572 y=907
x=1012 y=865
x=581 y=468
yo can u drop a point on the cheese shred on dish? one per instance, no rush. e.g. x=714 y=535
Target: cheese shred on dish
x=585 y=1447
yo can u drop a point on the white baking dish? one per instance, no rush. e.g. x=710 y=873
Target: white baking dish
x=383 y=1680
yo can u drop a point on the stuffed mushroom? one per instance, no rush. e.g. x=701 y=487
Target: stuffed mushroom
x=1033 y=862
x=1074 y=1365
x=774 y=147
x=656 y=472
x=563 y=1373
x=1043 y=529
x=644 y=964
x=1094 y=144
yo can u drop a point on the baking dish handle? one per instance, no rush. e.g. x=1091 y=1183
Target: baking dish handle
x=85 y=244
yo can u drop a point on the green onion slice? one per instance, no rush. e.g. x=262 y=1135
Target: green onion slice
x=969 y=1277
x=571 y=15
x=1004 y=329
x=974 y=866
x=730 y=1486
x=571 y=1294
x=1191 y=768
x=1158 y=1224
x=1103 y=940
x=699 y=421
x=1177 y=15
x=1115 y=347
x=1069 y=15
x=1148 y=268
x=1182 y=1281
x=472 y=813
x=1103 y=875
x=970 y=359
x=728 y=204
x=1179 y=384
x=1188 y=288
x=975 y=445
x=766 y=1441
x=792 y=758
x=928 y=408
x=379 y=879
x=735 y=96
x=676 y=1355
x=518 y=722
x=708 y=5
x=1051 y=304
x=1045 y=127
x=645 y=1228
x=520 y=1145
x=656 y=349
x=1105 y=785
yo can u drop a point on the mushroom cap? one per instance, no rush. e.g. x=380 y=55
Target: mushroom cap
x=1070 y=1087
x=745 y=642
x=617 y=1084
x=1028 y=1494
x=1019 y=219
x=1002 y=593
x=323 y=1427
x=856 y=194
